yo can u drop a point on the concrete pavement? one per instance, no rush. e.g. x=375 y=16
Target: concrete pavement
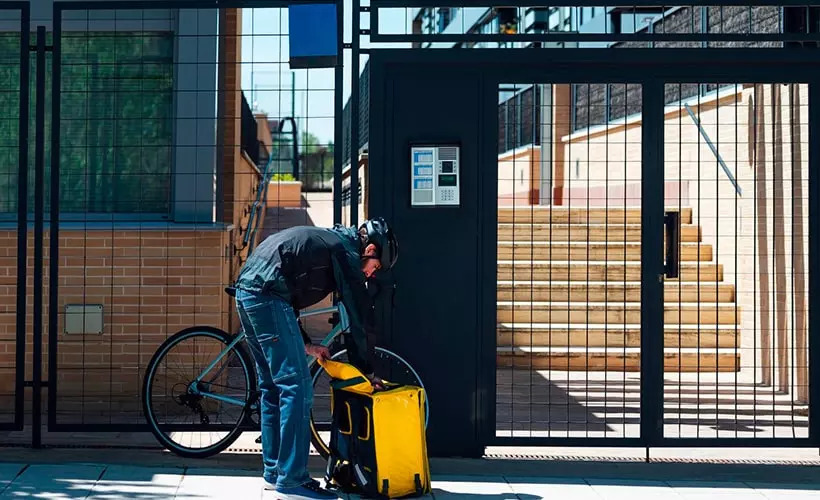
x=151 y=475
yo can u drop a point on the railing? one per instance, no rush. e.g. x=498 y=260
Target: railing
x=249 y=131
x=705 y=136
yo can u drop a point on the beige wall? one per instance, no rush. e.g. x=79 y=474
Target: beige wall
x=609 y=170
x=519 y=176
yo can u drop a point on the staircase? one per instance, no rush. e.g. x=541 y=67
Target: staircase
x=569 y=291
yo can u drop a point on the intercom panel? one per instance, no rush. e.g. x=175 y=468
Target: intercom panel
x=434 y=175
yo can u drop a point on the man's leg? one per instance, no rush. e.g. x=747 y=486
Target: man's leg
x=295 y=400
x=279 y=339
x=269 y=400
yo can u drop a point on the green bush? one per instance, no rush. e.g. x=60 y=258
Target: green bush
x=282 y=178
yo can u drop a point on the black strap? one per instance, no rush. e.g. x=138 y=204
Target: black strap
x=343 y=384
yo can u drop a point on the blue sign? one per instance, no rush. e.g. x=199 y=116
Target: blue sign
x=422 y=156
x=312 y=33
x=421 y=170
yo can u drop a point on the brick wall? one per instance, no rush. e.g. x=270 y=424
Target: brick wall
x=150 y=283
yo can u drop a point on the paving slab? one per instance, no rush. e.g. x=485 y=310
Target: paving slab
x=54 y=481
x=532 y=488
x=7 y=474
x=472 y=487
x=781 y=491
x=145 y=483
x=202 y=483
x=705 y=490
x=632 y=489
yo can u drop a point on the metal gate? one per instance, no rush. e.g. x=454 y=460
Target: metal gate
x=649 y=235
x=660 y=298
x=165 y=151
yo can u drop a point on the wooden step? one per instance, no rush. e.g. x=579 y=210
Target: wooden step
x=584 y=232
x=611 y=291
x=618 y=360
x=615 y=312
x=613 y=335
x=597 y=270
x=579 y=215
x=605 y=251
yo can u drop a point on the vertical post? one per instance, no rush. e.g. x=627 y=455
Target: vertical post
x=814 y=262
x=195 y=128
x=354 y=114
x=338 y=121
x=22 y=222
x=652 y=267
x=54 y=234
x=781 y=320
x=799 y=252
x=546 y=125
x=761 y=216
x=221 y=112
x=39 y=180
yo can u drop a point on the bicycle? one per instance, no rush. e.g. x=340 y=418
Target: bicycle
x=193 y=393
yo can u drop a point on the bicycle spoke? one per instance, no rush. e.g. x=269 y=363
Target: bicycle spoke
x=185 y=413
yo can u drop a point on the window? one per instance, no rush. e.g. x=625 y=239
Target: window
x=116 y=123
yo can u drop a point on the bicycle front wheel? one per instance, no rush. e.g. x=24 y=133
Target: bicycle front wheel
x=194 y=409
x=387 y=365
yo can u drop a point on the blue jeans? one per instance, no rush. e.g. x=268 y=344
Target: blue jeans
x=284 y=380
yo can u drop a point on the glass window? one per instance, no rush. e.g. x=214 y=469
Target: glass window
x=116 y=124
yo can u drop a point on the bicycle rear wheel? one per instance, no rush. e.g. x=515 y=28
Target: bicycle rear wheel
x=182 y=419
x=387 y=365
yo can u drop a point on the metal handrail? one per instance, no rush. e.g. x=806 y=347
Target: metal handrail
x=725 y=168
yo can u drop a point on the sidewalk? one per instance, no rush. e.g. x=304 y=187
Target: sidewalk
x=150 y=475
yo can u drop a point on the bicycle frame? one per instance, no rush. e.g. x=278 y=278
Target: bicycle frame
x=342 y=325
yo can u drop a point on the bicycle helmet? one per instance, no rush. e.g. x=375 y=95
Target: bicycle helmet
x=380 y=234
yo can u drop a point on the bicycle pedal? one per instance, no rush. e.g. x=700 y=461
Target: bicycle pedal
x=258 y=440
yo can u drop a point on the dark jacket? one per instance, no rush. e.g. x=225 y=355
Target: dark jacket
x=302 y=265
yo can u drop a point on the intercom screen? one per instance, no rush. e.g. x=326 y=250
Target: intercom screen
x=447 y=180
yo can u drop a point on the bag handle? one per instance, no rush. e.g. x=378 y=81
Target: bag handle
x=349 y=430
x=367 y=420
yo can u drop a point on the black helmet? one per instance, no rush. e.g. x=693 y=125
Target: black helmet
x=380 y=234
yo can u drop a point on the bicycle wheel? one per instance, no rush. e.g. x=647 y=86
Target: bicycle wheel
x=387 y=365
x=184 y=420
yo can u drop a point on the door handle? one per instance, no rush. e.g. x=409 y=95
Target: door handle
x=671 y=266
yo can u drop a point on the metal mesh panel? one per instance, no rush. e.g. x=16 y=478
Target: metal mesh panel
x=569 y=272
x=13 y=154
x=735 y=335
x=709 y=25
x=185 y=140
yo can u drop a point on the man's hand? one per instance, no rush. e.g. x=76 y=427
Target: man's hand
x=317 y=351
x=378 y=384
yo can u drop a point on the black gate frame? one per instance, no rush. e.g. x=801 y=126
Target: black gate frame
x=20 y=383
x=652 y=68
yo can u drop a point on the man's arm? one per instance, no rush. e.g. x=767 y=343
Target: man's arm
x=305 y=336
x=350 y=284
